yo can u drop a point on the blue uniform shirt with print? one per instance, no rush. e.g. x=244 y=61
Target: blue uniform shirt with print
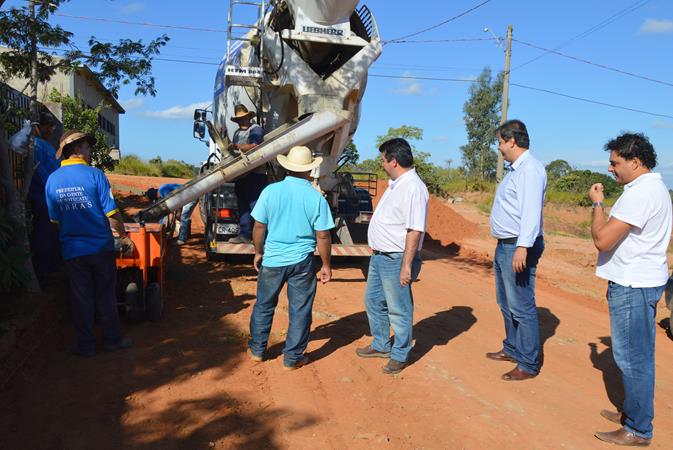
x=292 y=211
x=80 y=200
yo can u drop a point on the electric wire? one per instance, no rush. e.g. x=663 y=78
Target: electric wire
x=450 y=19
x=599 y=26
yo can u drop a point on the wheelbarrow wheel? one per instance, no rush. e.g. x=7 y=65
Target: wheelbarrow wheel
x=154 y=302
x=133 y=302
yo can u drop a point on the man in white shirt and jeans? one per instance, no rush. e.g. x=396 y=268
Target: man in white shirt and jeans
x=396 y=236
x=632 y=247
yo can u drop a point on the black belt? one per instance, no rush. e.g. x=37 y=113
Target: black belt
x=377 y=252
x=508 y=240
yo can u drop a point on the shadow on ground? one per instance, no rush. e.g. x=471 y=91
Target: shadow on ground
x=168 y=391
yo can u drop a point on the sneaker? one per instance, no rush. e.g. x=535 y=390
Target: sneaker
x=240 y=239
x=256 y=358
x=394 y=367
x=122 y=344
x=301 y=363
x=179 y=242
x=369 y=352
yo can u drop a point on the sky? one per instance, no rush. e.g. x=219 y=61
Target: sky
x=634 y=36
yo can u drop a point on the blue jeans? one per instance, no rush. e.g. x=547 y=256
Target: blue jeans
x=632 y=327
x=389 y=303
x=186 y=220
x=301 y=288
x=515 y=294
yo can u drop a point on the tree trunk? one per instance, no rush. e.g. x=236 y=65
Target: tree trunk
x=16 y=208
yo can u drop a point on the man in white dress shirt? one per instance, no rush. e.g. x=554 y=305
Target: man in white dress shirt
x=516 y=222
x=632 y=246
x=396 y=236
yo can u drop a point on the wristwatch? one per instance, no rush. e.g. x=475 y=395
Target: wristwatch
x=594 y=204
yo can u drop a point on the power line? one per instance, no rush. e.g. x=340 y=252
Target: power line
x=430 y=41
x=618 y=15
x=532 y=88
x=602 y=66
x=596 y=102
x=439 y=24
x=151 y=25
x=460 y=80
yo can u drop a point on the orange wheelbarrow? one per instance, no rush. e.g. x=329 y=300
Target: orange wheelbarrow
x=140 y=277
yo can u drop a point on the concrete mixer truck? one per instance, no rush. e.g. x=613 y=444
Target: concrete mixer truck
x=301 y=66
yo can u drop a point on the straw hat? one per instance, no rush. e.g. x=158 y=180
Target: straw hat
x=72 y=136
x=240 y=111
x=299 y=159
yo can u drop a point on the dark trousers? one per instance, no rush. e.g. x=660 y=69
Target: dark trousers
x=44 y=239
x=248 y=189
x=93 y=280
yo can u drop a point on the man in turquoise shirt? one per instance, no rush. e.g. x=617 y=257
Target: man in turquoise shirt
x=296 y=217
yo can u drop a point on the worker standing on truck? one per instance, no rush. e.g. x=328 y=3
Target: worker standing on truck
x=248 y=187
x=80 y=201
x=297 y=217
x=185 y=216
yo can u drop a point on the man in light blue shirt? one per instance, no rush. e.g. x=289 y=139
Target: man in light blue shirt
x=291 y=217
x=516 y=222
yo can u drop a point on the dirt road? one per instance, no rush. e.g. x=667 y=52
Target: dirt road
x=187 y=382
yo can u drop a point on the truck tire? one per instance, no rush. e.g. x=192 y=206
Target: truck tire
x=154 y=302
x=133 y=302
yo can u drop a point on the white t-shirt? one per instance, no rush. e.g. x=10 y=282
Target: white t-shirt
x=403 y=206
x=639 y=260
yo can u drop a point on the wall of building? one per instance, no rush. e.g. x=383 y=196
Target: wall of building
x=90 y=93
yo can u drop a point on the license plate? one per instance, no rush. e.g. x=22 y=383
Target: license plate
x=226 y=228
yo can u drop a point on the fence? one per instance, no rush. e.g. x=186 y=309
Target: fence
x=19 y=104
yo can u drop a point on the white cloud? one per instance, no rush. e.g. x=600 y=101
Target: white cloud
x=408 y=86
x=132 y=103
x=663 y=125
x=656 y=26
x=131 y=8
x=595 y=164
x=175 y=112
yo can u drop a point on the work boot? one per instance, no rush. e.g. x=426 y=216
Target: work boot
x=394 y=367
x=369 y=352
x=623 y=437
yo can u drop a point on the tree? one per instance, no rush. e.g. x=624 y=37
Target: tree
x=482 y=117
x=350 y=156
x=558 y=169
x=405 y=131
x=25 y=29
x=77 y=117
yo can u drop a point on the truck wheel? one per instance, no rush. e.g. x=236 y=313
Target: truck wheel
x=133 y=302
x=154 y=302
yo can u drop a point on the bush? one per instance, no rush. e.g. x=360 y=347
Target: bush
x=579 y=181
x=12 y=257
x=133 y=165
x=177 y=169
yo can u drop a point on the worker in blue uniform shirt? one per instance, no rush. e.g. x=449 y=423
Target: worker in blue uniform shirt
x=185 y=216
x=80 y=201
x=44 y=241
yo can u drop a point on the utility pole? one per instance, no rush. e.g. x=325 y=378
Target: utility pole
x=500 y=169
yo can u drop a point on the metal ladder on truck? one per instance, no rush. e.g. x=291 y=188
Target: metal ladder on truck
x=235 y=72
